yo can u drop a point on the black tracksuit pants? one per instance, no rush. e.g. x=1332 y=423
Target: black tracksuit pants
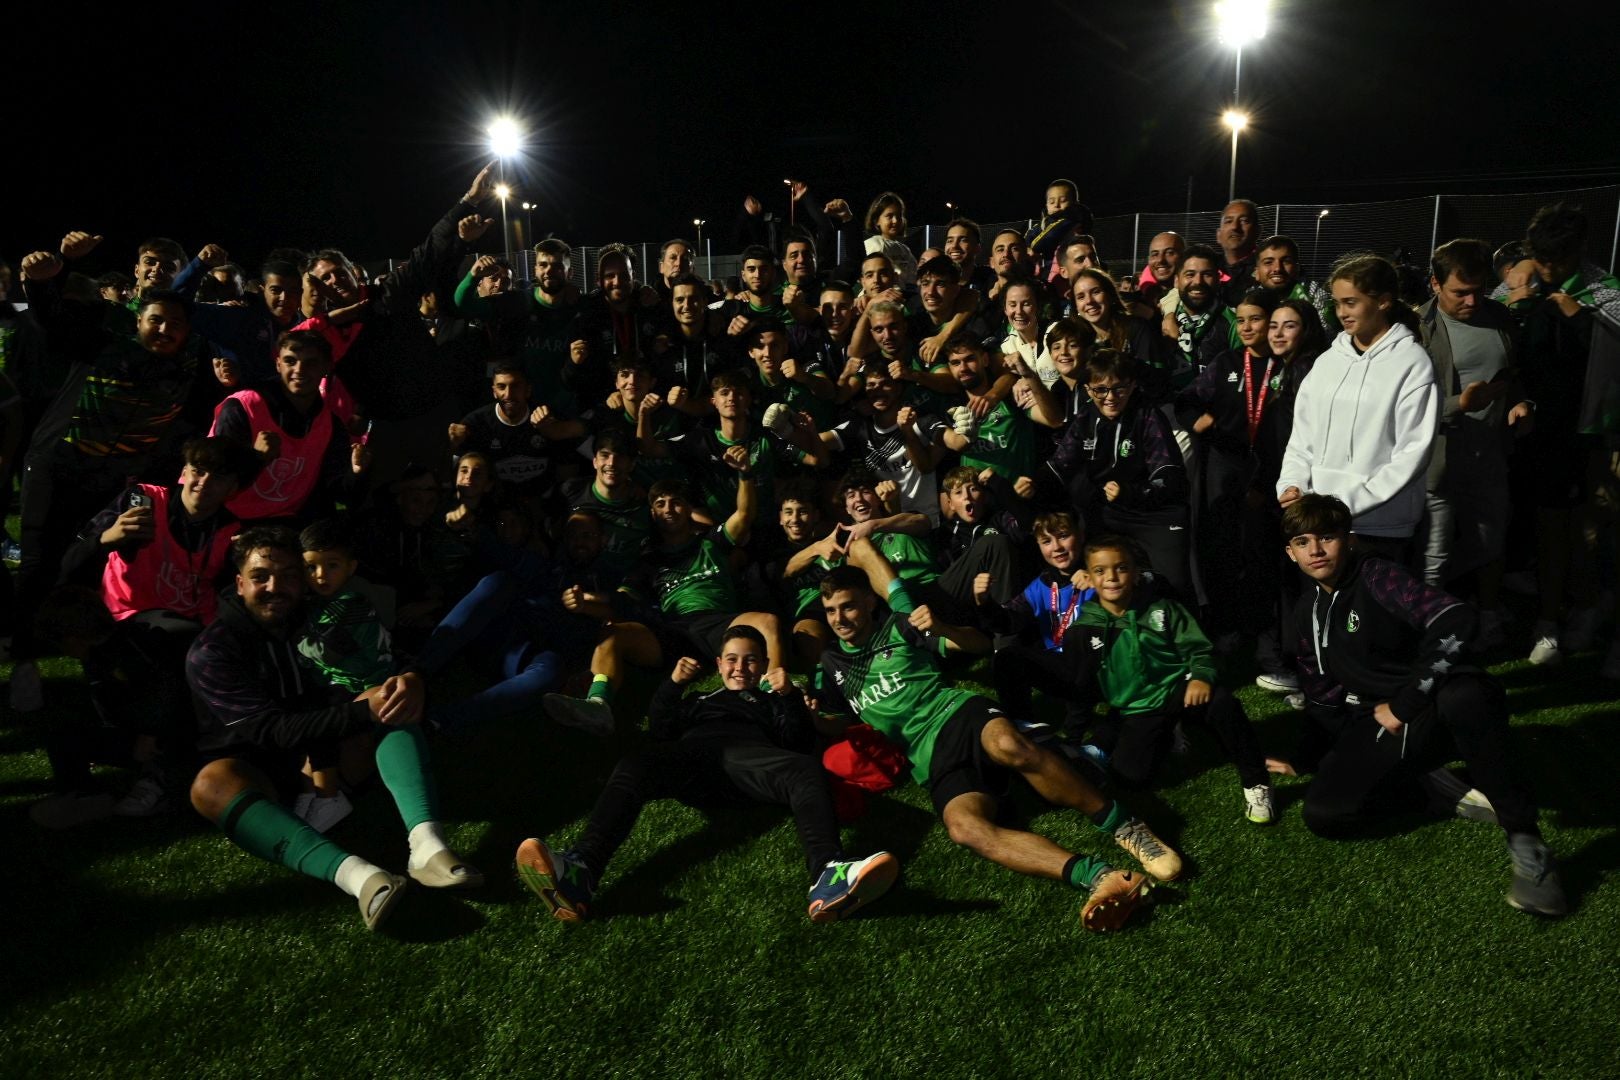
x=709 y=772
x=1368 y=771
x=1137 y=744
x=1068 y=674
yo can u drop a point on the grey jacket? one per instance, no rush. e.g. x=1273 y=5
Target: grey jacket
x=1487 y=433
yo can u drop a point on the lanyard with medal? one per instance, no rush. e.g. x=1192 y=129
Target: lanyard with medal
x=1060 y=625
x=1255 y=407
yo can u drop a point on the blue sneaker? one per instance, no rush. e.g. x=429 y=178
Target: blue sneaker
x=557 y=878
x=845 y=887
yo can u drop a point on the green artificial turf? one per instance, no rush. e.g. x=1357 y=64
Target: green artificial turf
x=154 y=948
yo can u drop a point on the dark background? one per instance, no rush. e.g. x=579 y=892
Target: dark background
x=356 y=124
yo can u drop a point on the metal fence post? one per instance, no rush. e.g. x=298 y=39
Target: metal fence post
x=1276 y=229
x=928 y=237
x=1434 y=232
x=1614 y=245
x=1136 y=240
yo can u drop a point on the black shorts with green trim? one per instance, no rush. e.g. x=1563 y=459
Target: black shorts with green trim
x=959 y=764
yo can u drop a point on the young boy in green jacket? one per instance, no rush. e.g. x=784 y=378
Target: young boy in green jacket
x=1155 y=668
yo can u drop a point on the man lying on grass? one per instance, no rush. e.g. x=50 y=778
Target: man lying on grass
x=748 y=741
x=265 y=704
x=1392 y=697
x=885 y=669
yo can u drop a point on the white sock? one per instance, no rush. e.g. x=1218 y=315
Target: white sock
x=427 y=840
x=352 y=874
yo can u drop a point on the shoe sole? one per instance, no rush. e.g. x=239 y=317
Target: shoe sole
x=375 y=919
x=1276 y=687
x=873 y=880
x=1272 y=820
x=1549 y=913
x=432 y=877
x=535 y=869
x=1114 y=912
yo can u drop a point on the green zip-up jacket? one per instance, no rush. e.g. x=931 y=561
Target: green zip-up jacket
x=1147 y=653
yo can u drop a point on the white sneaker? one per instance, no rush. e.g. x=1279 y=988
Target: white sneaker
x=1257 y=804
x=27 y=689
x=1580 y=629
x=1296 y=701
x=145 y=799
x=1278 y=682
x=1611 y=662
x=1545 y=650
x=321 y=812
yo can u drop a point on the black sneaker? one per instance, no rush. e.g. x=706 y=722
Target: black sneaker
x=1536 y=887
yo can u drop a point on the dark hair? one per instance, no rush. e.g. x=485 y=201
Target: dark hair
x=1260 y=298
x=844 y=577
x=800 y=489
x=214 y=454
x=305 y=339
x=1006 y=230
x=1375 y=275
x=756 y=251
x=961 y=341
x=1510 y=254
x=114 y=279
x=663 y=249
x=1101 y=363
x=671 y=485
x=164 y=248
x=769 y=324
x=632 y=361
x=958 y=476
x=1021 y=281
x=557 y=249
x=265 y=538
x=940 y=267
x=167 y=296
x=328 y=534
x=1280 y=241
x=1082 y=238
x=617 y=440
x=734 y=379
x=1313 y=341
x=509 y=367
x=1557 y=234
x=969 y=224
x=1058 y=520
x=1315 y=513
x=334 y=256
x=870 y=255
x=742 y=632
x=279 y=268
x=838 y=286
x=1114 y=542
x=879 y=204
x=1469 y=260
x=1071 y=326
x=1215 y=255
x=798 y=236
x=858 y=478
x=689 y=278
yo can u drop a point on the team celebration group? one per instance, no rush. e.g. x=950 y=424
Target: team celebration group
x=306 y=526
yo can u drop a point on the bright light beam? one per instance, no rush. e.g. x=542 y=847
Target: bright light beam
x=1234 y=120
x=1241 y=22
x=505 y=138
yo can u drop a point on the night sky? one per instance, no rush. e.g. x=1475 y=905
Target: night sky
x=356 y=124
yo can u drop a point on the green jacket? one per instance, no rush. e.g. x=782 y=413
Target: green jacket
x=1147 y=653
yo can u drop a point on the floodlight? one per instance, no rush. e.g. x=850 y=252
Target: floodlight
x=505 y=138
x=1240 y=22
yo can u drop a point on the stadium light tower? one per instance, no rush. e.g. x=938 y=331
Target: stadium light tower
x=1239 y=23
x=505 y=141
x=1236 y=121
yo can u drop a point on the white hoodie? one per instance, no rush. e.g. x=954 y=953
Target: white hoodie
x=1364 y=425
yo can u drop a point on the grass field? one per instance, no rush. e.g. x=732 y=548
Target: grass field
x=154 y=948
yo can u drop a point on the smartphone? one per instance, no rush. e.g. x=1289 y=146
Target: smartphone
x=139 y=500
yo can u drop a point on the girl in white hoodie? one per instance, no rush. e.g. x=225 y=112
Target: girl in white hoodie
x=1366 y=416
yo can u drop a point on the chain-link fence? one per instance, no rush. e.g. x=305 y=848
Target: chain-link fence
x=1323 y=232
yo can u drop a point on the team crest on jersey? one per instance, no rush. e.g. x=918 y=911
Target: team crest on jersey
x=1096 y=642
x=274 y=478
x=1232 y=377
x=1276 y=382
x=1156 y=619
x=1125 y=448
x=747 y=696
x=1089 y=444
x=1353 y=623
x=838 y=677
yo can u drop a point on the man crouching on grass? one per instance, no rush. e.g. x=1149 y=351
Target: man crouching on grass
x=884 y=669
x=748 y=741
